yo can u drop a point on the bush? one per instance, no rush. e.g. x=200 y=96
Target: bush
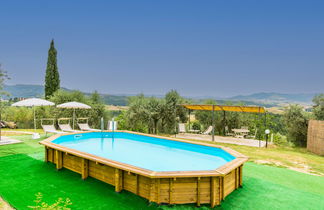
x=280 y=140
x=195 y=125
x=60 y=203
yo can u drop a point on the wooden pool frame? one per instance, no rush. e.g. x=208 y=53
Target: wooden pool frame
x=174 y=187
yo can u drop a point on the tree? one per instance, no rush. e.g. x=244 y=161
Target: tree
x=3 y=77
x=171 y=110
x=152 y=114
x=52 y=77
x=296 y=124
x=95 y=97
x=319 y=107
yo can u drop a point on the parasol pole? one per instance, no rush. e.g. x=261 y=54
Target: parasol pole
x=73 y=118
x=34 y=118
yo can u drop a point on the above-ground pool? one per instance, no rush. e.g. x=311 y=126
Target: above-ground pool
x=163 y=170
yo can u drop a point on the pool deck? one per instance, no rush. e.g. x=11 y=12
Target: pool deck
x=6 y=140
x=223 y=139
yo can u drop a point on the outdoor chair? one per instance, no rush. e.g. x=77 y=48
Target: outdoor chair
x=208 y=130
x=66 y=127
x=85 y=126
x=50 y=128
x=182 y=128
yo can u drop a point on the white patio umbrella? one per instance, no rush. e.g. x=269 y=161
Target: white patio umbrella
x=73 y=105
x=33 y=102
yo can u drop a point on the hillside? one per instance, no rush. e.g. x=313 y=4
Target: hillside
x=24 y=91
x=29 y=91
x=259 y=99
x=276 y=98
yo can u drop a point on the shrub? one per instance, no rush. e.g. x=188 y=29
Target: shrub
x=280 y=140
x=196 y=125
x=60 y=203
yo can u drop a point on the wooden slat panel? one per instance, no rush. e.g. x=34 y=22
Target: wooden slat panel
x=102 y=172
x=229 y=183
x=130 y=182
x=315 y=137
x=144 y=186
x=72 y=162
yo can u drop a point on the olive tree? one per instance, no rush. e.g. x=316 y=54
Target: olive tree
x=296 y=121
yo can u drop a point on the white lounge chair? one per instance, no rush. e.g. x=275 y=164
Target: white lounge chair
x=50 y=128
x=85 y=126
x=208 y=130
x=112 y=125
x=182 y=128
x=66 y=126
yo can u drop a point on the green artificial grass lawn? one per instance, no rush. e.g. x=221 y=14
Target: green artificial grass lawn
x=23 y=174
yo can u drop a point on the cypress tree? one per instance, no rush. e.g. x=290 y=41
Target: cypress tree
x=52 y=77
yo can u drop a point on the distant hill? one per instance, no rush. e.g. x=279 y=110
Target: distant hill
x=29 y=91
x=24 y=91
x=260 y=99
x=276 y=98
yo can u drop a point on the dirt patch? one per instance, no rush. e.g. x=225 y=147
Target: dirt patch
x=4 y=205
x=300 y=167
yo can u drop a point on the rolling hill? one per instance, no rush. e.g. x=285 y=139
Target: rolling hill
x=29 y=91
x=276 y=98
x=262 y=99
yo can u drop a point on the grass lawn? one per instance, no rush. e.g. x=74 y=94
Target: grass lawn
x=298 y=159
x=23 y=174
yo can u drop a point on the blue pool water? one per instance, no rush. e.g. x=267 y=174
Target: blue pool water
x=147 y=152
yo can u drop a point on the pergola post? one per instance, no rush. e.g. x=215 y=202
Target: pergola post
x=265 y=126
x=189 y=118
x=175 y=122
x=224 y=124
x=213 y=123
x=34 y=118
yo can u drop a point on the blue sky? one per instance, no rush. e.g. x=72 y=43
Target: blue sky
x=200 y=48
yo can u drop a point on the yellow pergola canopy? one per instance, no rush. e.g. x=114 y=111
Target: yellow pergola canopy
x=251 y=109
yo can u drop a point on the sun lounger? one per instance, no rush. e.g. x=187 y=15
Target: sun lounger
x=51 y=129
x=208 y=130
x=66 y=125
x=67 y=128
x=86 y=127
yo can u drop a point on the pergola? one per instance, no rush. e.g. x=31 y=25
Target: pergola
x=225 y=108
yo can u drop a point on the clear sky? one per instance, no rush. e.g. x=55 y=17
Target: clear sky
x=200 y=48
